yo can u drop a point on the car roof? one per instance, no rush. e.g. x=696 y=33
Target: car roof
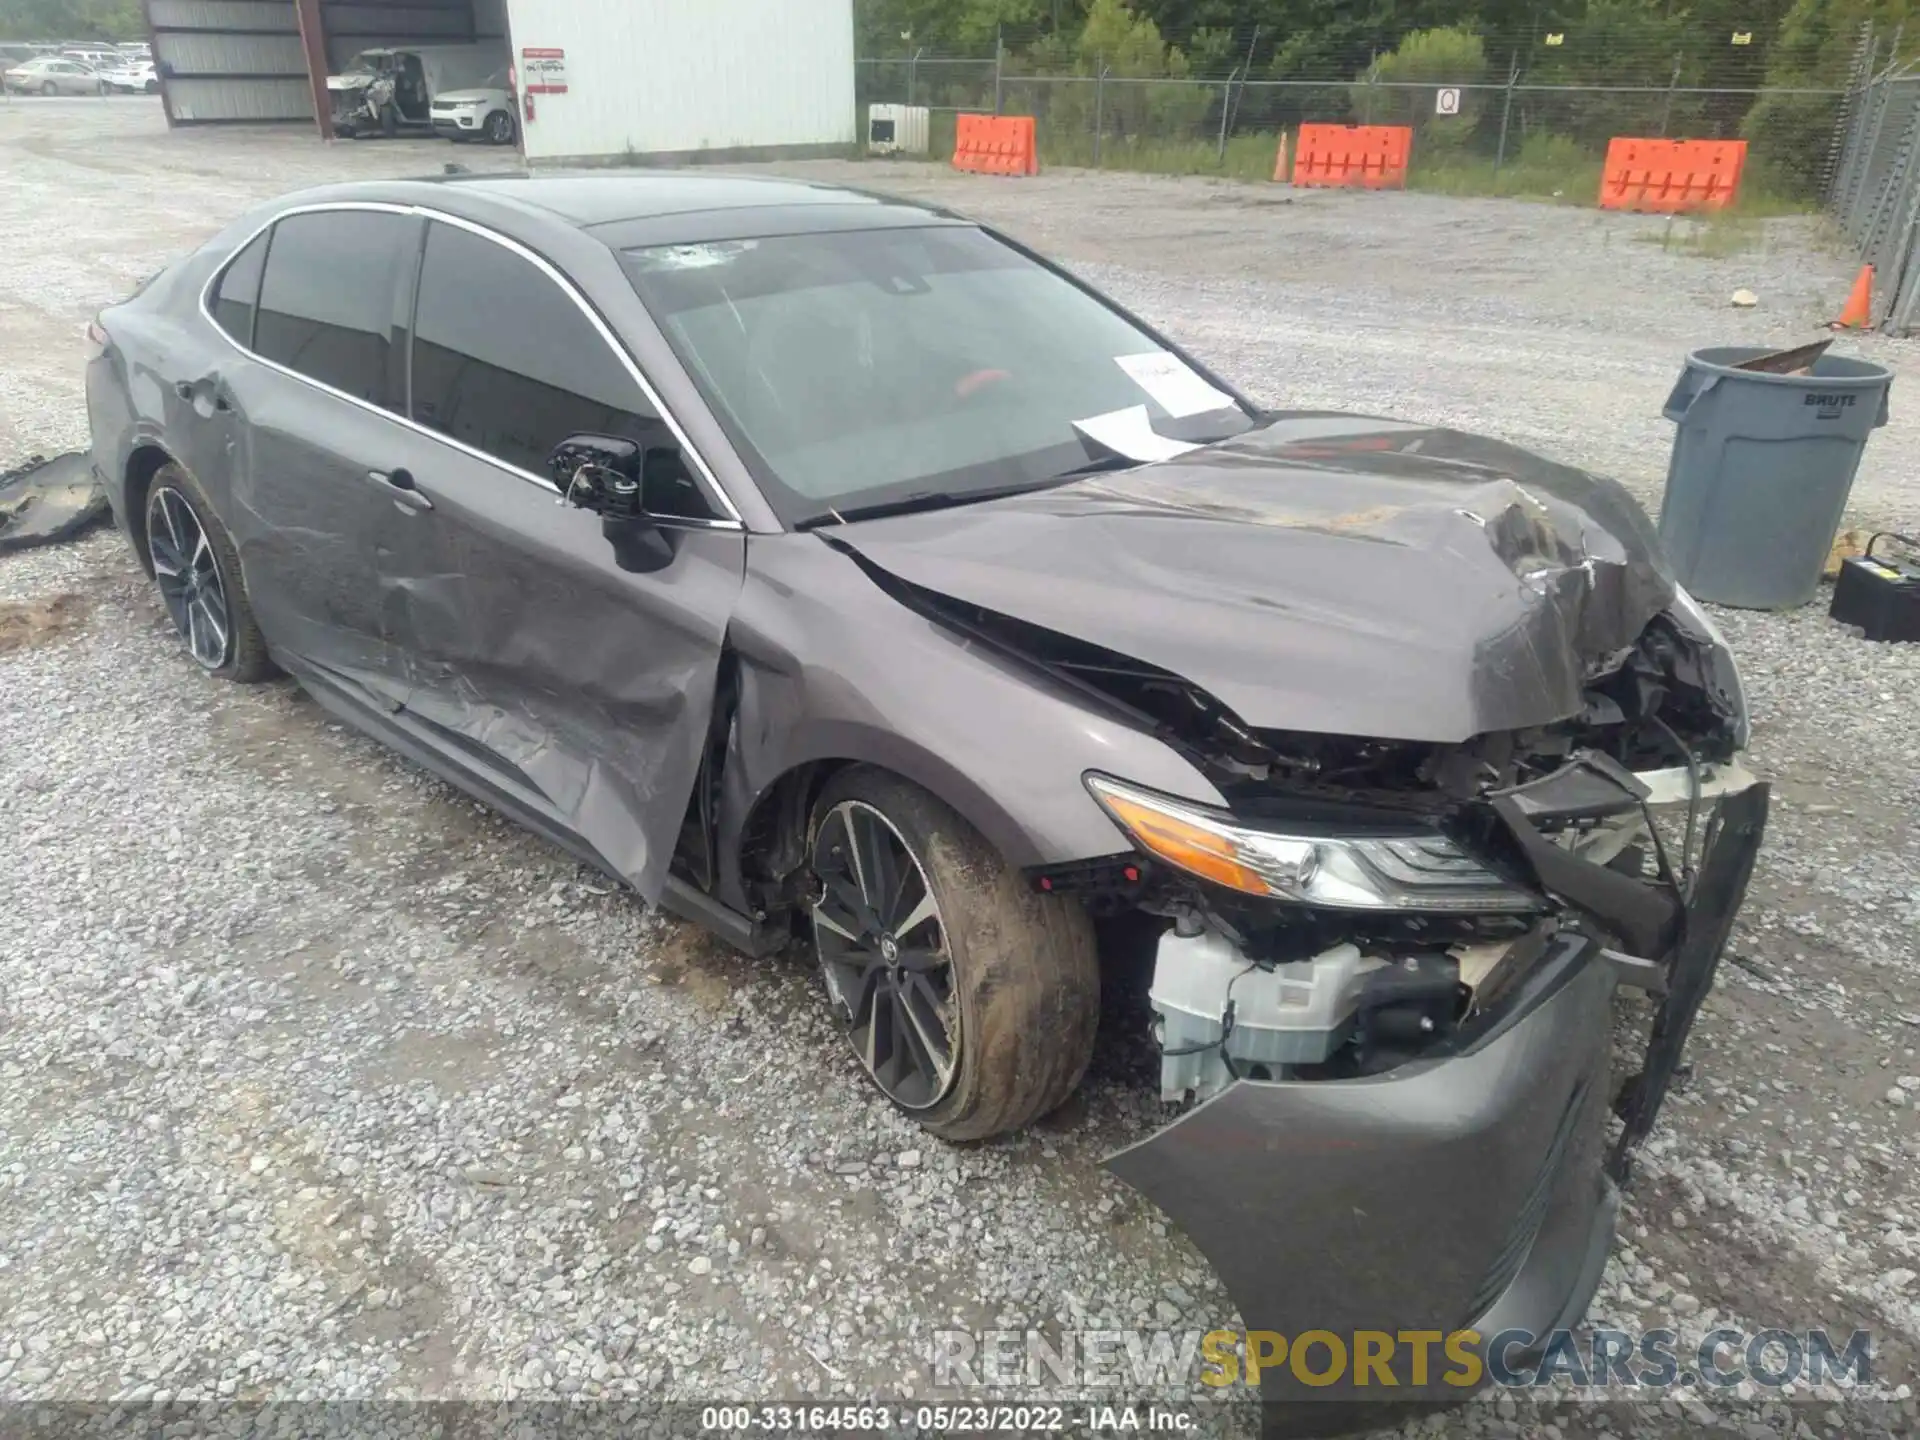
x=627 y=208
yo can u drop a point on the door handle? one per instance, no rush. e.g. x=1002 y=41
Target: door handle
x=192 y=391
x=400 y=484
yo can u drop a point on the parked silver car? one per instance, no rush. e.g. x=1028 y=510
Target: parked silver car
x=55 y=75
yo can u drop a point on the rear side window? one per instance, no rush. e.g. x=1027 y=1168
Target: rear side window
x=504 y=361
x=239 y=288
x=326 y=304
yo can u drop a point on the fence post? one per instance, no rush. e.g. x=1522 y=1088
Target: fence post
x=1246 y=76
x=999 y=54
x=1666 y=109
x=1226 y=104
x=1099 y=105
x=1506 y=114
x=913 y=63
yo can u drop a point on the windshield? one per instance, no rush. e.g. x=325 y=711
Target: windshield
x=861 y=368
x=368 y=62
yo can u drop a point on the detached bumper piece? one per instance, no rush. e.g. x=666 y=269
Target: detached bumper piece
x=1470 y=1188
x=1733 y=844
x=46 y=501
x=1456 y=1192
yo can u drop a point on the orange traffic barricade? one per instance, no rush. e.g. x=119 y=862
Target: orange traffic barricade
x=1369 y=157
x=995 y=145
x=1667 y=176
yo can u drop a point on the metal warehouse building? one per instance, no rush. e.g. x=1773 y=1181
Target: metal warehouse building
x=601 y=81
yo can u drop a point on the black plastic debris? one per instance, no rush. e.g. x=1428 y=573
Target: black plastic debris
x=43 y=502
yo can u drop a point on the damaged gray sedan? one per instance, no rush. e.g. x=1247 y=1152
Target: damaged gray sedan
x=828 y=566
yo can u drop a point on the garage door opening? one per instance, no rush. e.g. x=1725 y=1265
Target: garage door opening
x=254 y=61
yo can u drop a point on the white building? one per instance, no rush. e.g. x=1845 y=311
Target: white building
x=676 y=79
x=601 y=81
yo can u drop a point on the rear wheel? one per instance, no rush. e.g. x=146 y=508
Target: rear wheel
x=198 y=574
x=969 y=998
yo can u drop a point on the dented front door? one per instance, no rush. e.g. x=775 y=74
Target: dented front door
x=574 y=679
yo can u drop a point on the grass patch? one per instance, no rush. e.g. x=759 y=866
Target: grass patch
x=1544 y=167
x=1711 y=237
x=1247 y=157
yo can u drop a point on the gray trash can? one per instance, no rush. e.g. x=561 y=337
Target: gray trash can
x=1760 y=473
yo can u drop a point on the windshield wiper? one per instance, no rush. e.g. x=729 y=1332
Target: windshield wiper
x=924 y=500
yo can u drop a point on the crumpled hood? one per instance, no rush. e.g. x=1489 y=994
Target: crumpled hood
x=1336 y=574
x=349 y=82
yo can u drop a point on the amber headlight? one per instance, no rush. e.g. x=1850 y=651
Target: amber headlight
x=1417 y=871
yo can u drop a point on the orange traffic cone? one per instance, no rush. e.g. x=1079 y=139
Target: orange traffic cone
x=1281 y=175
x=1857 y=313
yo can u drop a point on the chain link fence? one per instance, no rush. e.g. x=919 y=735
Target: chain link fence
x=1875 y=194
x=1509 y=135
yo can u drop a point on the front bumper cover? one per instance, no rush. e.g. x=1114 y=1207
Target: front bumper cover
x=1468 y=1190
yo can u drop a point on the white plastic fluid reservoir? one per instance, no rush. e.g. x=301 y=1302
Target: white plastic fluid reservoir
x=1282 y=1014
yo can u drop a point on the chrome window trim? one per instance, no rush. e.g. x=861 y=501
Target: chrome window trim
x=540 y=263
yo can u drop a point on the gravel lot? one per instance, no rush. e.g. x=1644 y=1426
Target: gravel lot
x=319 y=1081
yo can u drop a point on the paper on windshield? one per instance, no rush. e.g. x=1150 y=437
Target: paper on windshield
x=1172 y=384
x=1130 y=433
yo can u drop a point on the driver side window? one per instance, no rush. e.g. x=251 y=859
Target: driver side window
x=504 y=361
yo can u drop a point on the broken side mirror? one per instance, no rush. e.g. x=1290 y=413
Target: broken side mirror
x=605 y=474
x=600 y=473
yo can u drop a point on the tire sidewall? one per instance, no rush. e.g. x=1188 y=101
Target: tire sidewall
x=246 y=658
x=973 y=917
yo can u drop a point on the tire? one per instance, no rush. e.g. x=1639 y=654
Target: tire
x=500 y=128
x=49 y=88
x=1018 y=969
x=242 y=653
x=152 y=87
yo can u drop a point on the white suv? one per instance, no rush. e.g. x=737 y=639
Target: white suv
x=486 y=111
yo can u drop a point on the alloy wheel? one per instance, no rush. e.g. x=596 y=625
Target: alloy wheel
x=500 y=128
x=189 y=577
x=883 y=950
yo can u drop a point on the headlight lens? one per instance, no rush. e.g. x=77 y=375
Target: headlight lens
x=1417 y=871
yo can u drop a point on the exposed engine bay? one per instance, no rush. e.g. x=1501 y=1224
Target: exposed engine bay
x=1418 y=881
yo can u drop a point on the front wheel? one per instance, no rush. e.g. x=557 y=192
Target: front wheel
x=970 y=998
x=500 y=128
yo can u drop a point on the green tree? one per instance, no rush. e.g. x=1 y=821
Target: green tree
x=1125 y=51
x=1426 y=60
x=1817 y=45
x=72 y=20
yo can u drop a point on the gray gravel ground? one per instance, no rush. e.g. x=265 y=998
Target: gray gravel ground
x=319 y=1081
